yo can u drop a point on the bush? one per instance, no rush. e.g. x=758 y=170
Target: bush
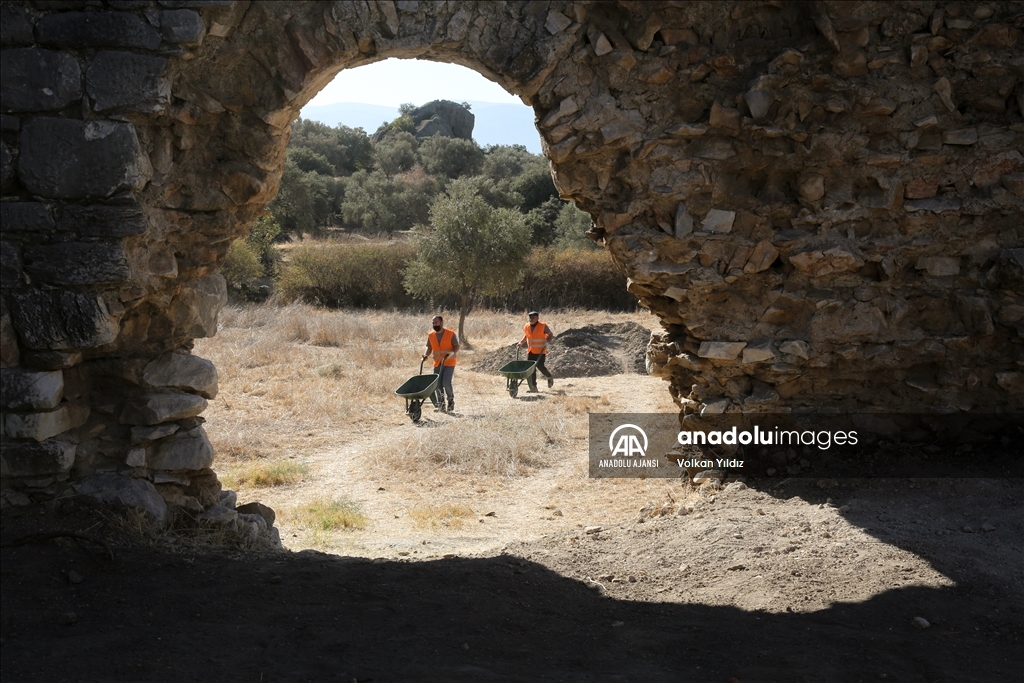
x=559 y=278
x=348 y=274
x=242 y=267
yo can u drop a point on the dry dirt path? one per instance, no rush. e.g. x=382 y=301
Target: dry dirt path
x=497 y=510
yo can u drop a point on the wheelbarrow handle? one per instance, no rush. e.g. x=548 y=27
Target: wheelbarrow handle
x=424 y=360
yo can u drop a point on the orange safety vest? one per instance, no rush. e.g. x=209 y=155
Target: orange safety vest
x=442 y=347
x=536 y=338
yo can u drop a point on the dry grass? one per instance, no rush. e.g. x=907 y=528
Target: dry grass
x=296 y=378
x=264 y=474
x=330 y=514
x=447 y=515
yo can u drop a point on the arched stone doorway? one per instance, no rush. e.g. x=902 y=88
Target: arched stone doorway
x=821 y=201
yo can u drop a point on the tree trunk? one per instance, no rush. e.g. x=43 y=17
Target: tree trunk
x=463 y=312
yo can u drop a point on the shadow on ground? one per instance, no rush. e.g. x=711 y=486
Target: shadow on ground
x=150 y=615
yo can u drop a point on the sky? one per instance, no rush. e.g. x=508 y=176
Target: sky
x=396 y=81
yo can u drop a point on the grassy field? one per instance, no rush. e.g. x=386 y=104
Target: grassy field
x=307 y=422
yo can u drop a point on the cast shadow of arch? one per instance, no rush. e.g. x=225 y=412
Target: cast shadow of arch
x=311 y=616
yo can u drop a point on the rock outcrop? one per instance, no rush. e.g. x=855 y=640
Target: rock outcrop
x=821 y=201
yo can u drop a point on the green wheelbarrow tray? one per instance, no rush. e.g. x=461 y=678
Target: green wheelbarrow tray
x=415 y=390
x=515 y=372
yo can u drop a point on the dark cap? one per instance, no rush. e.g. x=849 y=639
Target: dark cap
x=532 y=313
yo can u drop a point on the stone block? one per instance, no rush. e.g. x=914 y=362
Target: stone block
x=796 y=348
x=1014 y=182
x=939 y=266
x=38 y=80
x=182 y=26
x=121 y=490
x=218 y=515
x=720 y=350
x=136 y=457
x=151 y=409
x=759 y=353
x=63 y=320
x=964 y=136
x=557 y=22
x=919 y=188
x=77 y=263
x=15 y=25
x=715 y=407
x=1012 y=382
x=195 y=311
x=145 y=435
x=724 y=117
x=189 y=450
x=43 y=425
x=127 y=81
x=934 y=204
x=683 y=221
x=102 y=221
x=11 y=265
x=32 y=218
x=851 y=62
x=260 y=509
x=675 y=293
x=182 y=371
x=759 y=102
x=27 y=390
x=71 y=159
x=97 y=29
x=718 y=221
x=716 y=149
x=761 y=258
x=36 y=459
x=812 y=187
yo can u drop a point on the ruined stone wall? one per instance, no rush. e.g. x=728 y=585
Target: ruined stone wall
x=822 y=201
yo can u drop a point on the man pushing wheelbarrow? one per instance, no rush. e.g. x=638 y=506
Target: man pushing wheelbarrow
x=443 y=344
x=536 y=336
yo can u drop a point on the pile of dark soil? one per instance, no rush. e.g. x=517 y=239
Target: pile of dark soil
x=590 y=351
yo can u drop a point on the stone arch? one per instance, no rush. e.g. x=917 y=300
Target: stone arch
x=821 y=201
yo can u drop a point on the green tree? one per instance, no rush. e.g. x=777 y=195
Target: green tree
x=450 y=157
x=570 y=226
x=309 y=161
x=375 y=203
x=347 y=149
x=395 y=153
x=541 y=220
x=304 y=203
x=535 y=185
x=470 y=250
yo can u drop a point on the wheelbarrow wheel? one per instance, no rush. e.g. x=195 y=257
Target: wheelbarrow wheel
x=513 y=389
x=415 y=412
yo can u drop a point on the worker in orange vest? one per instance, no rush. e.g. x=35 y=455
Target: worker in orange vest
x=536 y=336
x=442 y=344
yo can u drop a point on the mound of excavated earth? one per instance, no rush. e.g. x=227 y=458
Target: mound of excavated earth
x=590 y=351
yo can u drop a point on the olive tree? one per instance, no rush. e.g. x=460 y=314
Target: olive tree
x=470 y=250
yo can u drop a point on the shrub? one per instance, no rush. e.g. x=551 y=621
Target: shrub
x=242 y=267
x=569 y=278
x=348 y=274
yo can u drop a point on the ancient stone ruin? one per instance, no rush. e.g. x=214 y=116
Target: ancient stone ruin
x=822 y=201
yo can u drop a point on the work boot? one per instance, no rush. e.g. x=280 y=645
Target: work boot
x=551 y=381
x=451 y=406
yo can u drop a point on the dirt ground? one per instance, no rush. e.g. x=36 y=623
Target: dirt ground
x=553 y=577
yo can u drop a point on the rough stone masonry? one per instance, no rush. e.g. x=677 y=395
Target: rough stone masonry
x=822 y=201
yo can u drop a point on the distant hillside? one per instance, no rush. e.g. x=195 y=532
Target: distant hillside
x=496 y=124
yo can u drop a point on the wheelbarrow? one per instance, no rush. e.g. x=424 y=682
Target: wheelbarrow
x=517 y=371
x=416 y=390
